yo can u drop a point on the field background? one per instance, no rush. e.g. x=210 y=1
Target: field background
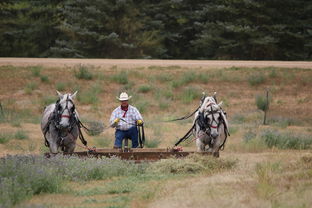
x=265 y=175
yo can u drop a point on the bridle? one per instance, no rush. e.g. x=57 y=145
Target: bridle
x=59 y=114
x=204 y=124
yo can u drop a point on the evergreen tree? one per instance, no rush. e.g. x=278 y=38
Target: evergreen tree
x=27 y=28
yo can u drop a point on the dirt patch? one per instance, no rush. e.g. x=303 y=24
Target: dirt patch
x=133 y=63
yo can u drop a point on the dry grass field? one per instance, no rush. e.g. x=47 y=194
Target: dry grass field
x=261 y=166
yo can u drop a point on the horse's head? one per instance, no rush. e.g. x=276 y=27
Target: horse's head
x=212 y=116
x=65 y=110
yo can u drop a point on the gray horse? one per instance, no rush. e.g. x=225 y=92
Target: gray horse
x=210 y=126
x=60 y=124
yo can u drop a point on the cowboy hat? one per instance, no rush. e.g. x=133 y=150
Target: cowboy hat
x=123 y=96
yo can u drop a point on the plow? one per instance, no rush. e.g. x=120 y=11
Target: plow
x=135 y=154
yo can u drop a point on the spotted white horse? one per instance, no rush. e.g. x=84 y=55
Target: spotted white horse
x=210 y=126
x=60 y=124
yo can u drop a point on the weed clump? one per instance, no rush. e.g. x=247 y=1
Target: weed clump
x=286 y=140
x=83 y=73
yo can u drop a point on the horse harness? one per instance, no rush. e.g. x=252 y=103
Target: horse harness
x=205 y=126
x=55 y=119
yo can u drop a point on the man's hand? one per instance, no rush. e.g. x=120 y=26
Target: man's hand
x=116 y=120
x=139 y=122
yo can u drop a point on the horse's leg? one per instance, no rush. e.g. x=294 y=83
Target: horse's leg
x=70 y=148
x=200 y=145
x=53 y=146
x=52 y=137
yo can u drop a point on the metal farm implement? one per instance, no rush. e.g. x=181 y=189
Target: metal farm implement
x=137 y=154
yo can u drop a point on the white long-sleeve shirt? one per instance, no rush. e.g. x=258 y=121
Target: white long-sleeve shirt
x=131 y=117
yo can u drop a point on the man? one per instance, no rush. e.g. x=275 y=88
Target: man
x=125 y=118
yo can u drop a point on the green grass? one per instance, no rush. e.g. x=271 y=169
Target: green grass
x=47 y=100
x=142 y=106
x=30 y=87
x=256 y=79
x=21 y=177
x=36 y=70
x=21 y=135
x=265 y=173
x=189 y=94
x=153 y=143
x=44 y=78
x=286 y=140
x=90 y=96
x=60 y=86
x=5 y=137
x=144 y=88
x=120 y=78
x=83 y=72
x=103 y=141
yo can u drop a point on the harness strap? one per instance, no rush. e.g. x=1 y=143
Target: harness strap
x=184 y=117
x=186 y=136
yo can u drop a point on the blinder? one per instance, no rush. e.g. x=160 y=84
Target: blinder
x=205 y=124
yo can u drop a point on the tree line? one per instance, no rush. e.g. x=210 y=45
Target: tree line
x=162 y=29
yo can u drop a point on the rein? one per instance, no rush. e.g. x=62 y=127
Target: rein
x=141 y=133
x=184 y=117
x=73 y=120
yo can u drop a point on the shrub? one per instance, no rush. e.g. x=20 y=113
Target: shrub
x=121 y=78
x=23 y=176
x=35 y=70
x=286 y=140
x=144 y=88
x=60 y=86
x=44 y=78
x=262 y=103
x=256 y=79
x=83 y=73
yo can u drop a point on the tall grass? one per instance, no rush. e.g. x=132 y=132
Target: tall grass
x=82 y=72
x=24 y=176
x=186 y=78
x=44 y=78
x=47 y=100
x=21 y=177
x=30 y=87
x=256 y=79
x=265 y=175
x=189 y=94
x=144 y=88
x=153 y=143
x=90 y=96
x=11 y=114
x=36 y=70
x=120 y=78
x=103 y=141
x=286 y=140
x=5 y=137
x=21 y=135
x=60 y=86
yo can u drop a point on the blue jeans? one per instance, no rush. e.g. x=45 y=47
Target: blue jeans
x=131 y=133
